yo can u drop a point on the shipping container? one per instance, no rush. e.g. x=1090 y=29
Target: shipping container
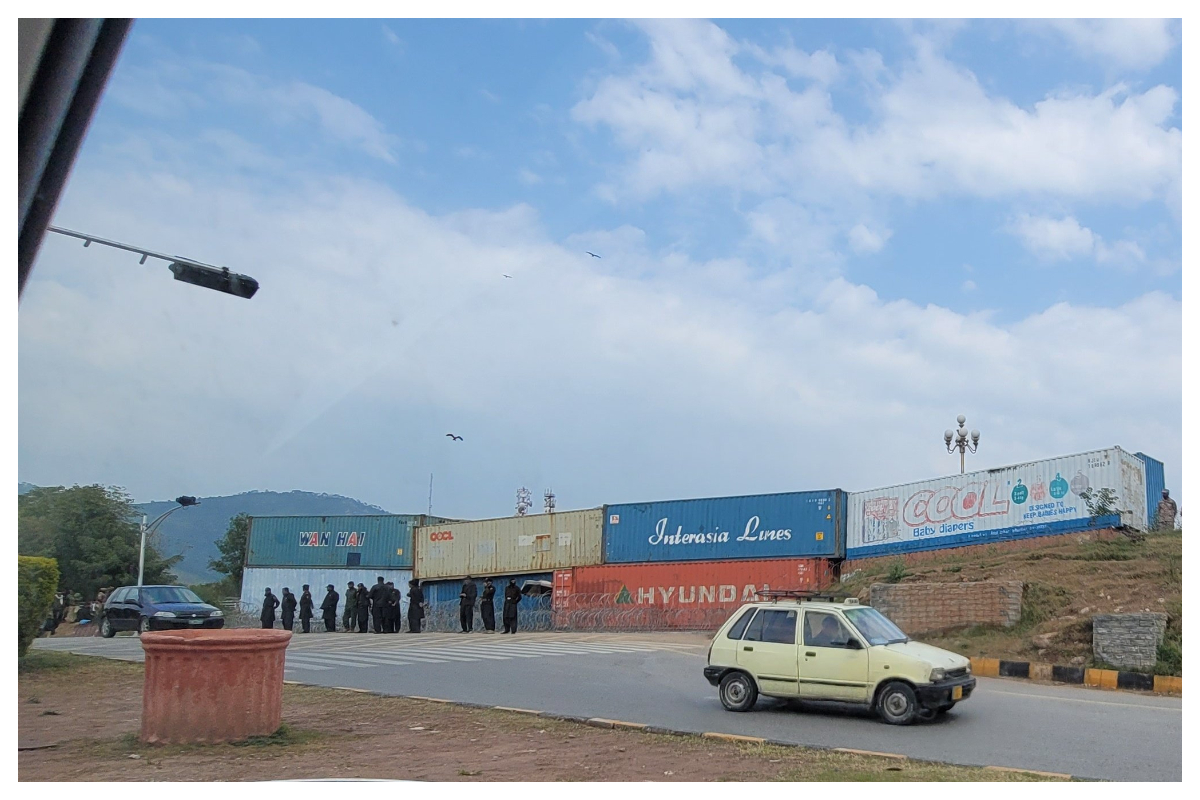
x=533 y=612
x=1155 y=483
x=790 y=525
x=255 y=580
x=1038 y=498
x=370 y=541
x=509 y=545
x=694 y=595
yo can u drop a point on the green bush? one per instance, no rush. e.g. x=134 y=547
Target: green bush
x=37 y=578
x=896 y=572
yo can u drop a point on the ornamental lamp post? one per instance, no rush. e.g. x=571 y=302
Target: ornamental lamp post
x=958 y=441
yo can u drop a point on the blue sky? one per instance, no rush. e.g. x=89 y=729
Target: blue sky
x=821 y=241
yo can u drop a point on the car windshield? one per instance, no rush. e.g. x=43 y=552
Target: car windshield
x=169 y=594
x=875 y=627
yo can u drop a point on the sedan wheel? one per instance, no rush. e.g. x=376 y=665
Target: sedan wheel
x=106 y=629
x=897 y=704
x=144 y=625
x=738 y=692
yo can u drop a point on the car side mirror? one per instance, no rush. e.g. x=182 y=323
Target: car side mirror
x=853 y=644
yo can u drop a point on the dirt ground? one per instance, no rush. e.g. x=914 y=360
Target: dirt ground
x=79 y=718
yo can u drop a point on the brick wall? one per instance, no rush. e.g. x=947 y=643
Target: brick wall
x=975 y=550
x=929 y=607
x=1129 y=641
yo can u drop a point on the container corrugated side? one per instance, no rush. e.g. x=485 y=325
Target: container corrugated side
x=510 y=545
x=788 y=525
x=257 y=579
x=696 y=595
x=1038 y=498
x=441 y=597
x=372 y=541
x=1156 y=481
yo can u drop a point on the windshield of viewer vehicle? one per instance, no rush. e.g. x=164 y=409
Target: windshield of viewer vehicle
x=875 y=627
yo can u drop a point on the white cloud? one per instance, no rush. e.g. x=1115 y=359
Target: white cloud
x=864 y=241
x=604 y=45
x=1054 y=239
x=1136 y=44
x=490 y=96
x=338 y=117
x=391 y=37
x=528 y=177
x=969 y=286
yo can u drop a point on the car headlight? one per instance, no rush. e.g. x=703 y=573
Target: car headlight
x=217 y=613
x=164 y=613
x=968 y=668
x=937 y=674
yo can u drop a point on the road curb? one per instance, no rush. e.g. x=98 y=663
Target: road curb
x=1081 y=676
x=733 y=737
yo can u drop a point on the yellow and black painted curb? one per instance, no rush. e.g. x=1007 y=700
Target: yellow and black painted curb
x=616 y=724
x=1084 y=676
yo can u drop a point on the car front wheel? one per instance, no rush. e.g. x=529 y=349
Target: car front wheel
x=897 y=704
x=738 y=692
x=106 y=629
x=144 y=625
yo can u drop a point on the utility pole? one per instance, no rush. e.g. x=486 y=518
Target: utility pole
x=430 y=512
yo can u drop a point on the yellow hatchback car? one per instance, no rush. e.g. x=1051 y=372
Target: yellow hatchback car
x=804 y=648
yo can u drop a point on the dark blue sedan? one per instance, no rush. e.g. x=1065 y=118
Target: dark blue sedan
x=156 y=608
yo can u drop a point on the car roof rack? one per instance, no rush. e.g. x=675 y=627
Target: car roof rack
x=775 y=595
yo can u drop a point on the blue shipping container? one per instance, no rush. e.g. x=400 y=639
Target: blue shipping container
x=790 y=525
x=369 y=541
x=441 y=599
x=1156 y=481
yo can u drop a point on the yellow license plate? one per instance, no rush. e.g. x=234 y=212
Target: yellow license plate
x=957 y=693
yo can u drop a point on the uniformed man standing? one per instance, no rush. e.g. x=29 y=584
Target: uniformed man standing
x=512 y=596
x=329 y=609
x=350 y=614
x=1164 y=518
x=416 y=606
x=306 y=609
x=389 y=609
x=487 y=606
x=287 y=609
x=466 y=604
x=397 y=604
x=376 y=595
x=363 y=606
x=270 y=603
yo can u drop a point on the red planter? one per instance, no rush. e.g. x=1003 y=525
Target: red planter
x=212 y=686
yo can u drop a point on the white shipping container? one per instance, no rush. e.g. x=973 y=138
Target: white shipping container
x=1039 y=498
x=256 y=580
x=510 y=545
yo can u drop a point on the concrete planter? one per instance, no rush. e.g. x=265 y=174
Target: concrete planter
x=212 y=686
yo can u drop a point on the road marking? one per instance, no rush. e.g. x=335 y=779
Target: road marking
x=851 y=750
x=1031 y=772
x=1083 y=700
x=733 y=737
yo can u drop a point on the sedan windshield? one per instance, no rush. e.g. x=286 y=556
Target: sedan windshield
x=875 y=627
x=169 y=594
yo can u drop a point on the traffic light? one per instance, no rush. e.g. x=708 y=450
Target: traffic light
x=212 y=278
x=187 y=501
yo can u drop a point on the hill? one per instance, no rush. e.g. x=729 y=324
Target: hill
x=194 y=531
x=25 y=488
x=1066 y=583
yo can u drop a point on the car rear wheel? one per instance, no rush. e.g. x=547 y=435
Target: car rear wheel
x=106 y=629
x=738 y=692
x=897 y=704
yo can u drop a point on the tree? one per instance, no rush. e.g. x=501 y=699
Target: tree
x=232 y=547
x=93 y=534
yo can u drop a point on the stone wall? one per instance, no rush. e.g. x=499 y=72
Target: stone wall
x=1129 y=641
x=929 y=607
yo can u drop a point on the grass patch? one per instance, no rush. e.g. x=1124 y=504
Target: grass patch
x=1041 y=602
x=38 y=661
x=896 y=572
x=286 y=736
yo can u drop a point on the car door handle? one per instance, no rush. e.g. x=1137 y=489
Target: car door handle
x=810 y=653
x=747 y=648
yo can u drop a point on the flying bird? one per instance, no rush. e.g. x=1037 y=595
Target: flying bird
x=590 y=253
x=507 y=276
x=455 y=438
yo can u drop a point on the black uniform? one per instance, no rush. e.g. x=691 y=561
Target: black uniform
x=466 y=605
x=396 y=601
x=350 y=614
x=270 y=603
x=306 y=609
x=329 y=609
x=288 y=610
x=363 y=608
x=512 y=596
x=416 y=607
x=487 y=607
x=376 y=595
x=389 y=609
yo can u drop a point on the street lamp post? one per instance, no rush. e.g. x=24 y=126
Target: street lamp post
x=958 y=441
x=183 y=502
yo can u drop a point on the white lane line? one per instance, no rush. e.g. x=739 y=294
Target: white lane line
x=321 y=661
x=317 y=667
x=1082 y=700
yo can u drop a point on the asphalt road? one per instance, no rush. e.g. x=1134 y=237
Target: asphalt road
x=657 y=681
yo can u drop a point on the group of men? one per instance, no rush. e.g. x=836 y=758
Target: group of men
x=487 y=605
x=379 y=606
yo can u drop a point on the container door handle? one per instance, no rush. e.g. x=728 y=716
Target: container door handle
x=747 y=648
x=810 y=653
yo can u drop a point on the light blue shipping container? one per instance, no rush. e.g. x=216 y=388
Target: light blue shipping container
x=367 y=541
x=257 y=579
x=789 y=525
x=441 y=598
x=1155 y=483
